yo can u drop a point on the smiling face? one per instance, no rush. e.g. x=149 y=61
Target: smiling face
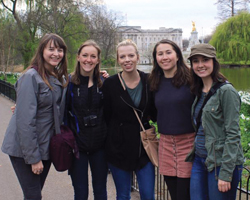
x=127 y=58
x=52 y=55
x=167 y=59
x=202 y=66
x=88 y=59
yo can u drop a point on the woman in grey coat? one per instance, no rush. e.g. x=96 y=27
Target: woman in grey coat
x=41 y=87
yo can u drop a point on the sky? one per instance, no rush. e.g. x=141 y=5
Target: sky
x=152 y=14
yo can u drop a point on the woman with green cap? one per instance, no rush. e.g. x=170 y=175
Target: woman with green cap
x=217 y=155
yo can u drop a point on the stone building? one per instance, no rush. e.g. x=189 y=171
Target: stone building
x=147 y=38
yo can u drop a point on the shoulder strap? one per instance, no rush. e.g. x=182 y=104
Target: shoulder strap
x=72 y=102
x=71 y=112
x=211 y=92
x=119 y=75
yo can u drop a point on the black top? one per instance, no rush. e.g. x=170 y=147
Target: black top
x=86 y=106
x=200 y=149
x=173 y=108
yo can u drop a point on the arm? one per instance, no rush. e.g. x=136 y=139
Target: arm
x=26 y=110
x=107 y=103
x=230 y=103
x=104 y=74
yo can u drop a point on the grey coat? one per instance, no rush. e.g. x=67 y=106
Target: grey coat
x=32 y=124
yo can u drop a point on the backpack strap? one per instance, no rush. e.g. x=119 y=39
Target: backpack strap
x=70 y=111
x=211 y=92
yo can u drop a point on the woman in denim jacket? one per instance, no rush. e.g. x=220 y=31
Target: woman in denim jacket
x=217 y=155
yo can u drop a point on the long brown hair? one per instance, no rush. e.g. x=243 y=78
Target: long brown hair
x=75 y=78
x=182 y=75
x=197 y=84
x=38 y=59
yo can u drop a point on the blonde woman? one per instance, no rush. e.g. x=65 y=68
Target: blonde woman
x=124 y=150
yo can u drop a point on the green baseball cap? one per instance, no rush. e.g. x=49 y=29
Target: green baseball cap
x=204 y=50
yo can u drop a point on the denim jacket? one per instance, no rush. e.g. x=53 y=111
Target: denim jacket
x=220 y=120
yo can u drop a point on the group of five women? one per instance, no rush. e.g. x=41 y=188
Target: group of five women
x=101 y=115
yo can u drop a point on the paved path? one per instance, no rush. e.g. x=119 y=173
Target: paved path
x=58 y=184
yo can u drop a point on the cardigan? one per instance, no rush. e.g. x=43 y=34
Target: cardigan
x=123 y=146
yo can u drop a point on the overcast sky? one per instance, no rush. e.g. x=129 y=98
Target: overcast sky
x=152 y=14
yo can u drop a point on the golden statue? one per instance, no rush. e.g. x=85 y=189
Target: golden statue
x=193 y=24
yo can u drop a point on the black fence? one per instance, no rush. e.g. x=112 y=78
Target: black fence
x=162 y=193
x=7 y=90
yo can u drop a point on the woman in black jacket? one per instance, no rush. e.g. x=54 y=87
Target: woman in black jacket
x=85 y=118
x=124 y=150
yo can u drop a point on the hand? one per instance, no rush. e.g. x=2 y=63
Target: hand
x=224 y=186
x=13 y=108
x=104 y=74
x=37 y=168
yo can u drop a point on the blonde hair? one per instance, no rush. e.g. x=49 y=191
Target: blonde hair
x=127 y=42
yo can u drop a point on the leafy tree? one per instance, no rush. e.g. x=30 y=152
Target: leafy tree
x=67 y=21
x=232 y=39
x=7 y=40
x=75 y=21
x=27 y=25
x=103 y=27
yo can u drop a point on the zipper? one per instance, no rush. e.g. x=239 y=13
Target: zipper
x=215 y=166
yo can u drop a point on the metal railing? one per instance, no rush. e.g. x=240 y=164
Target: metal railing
x=162 y=193
x=7 y=90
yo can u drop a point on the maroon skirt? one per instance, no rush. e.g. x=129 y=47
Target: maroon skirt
x=173 y=150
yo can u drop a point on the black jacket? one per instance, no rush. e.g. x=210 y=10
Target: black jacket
x=123 y=147
x=85 y=115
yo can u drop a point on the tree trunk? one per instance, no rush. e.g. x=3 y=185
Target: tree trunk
x=232 y=14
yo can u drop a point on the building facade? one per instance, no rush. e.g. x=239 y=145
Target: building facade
x=147 y=38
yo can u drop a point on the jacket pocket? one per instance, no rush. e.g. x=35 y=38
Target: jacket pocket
x=212 y=108
x=44 y=95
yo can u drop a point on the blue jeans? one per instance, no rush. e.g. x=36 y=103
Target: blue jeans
x=123 y=179
x=31 y=184
x=99 y=171
x=204 y=186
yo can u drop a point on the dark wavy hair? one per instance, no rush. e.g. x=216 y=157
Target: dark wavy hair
x=38 y=59
x=76 y=74
x=182 y=75
x=197 y=84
